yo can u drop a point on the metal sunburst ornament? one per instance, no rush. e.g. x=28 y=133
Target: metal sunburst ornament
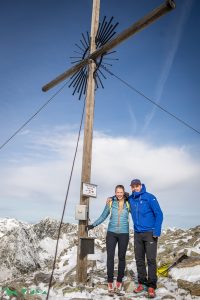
x=105 y=33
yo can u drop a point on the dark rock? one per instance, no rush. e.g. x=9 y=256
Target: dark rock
x=191 y=261
x=42 y=277
x=194 y=288
x=168 y=297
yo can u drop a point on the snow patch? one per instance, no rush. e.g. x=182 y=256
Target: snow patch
x=191 y=274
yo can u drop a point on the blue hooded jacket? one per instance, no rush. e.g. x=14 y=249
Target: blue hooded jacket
x=146 y=212
x=118 y=223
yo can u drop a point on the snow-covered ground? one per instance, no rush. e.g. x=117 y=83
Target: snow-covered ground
x=27 y=252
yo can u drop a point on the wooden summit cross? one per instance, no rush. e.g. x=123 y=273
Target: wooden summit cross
x=167 y=6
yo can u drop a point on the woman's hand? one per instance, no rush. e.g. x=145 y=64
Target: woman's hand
x=89 y=227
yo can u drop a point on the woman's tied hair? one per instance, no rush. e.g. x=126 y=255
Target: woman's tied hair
x=119 y=186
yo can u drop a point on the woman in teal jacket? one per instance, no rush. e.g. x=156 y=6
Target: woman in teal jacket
x=118 y=233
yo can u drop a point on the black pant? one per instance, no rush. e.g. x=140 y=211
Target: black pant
x=146 y=245
x=111 y=240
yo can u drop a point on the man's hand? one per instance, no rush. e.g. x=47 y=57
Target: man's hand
x=126 y=195
x=89 y=227
x=108 y=200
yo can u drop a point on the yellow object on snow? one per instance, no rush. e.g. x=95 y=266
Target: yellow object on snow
x=163 y=270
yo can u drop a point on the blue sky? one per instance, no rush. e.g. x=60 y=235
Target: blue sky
x=132 y=138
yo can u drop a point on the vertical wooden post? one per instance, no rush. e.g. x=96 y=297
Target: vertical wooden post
x=81 y=270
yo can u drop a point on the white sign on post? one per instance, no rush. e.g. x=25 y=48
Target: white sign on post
x=89 y=190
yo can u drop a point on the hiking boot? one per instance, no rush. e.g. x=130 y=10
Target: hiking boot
x=110 y=288
x=118 y=287
x=151 y=292
x=139 y=289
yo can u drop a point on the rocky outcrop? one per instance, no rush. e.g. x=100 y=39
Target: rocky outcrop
x=191 y=261
x=24 y=248
x=174 y=243
x=49 y=228
x=193 y=287
x=18 y=250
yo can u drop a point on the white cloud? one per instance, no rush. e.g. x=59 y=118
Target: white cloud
x=126 y=158
x=169 y=172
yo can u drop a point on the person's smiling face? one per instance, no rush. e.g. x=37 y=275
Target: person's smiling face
x=136 y=187
x=119 y=193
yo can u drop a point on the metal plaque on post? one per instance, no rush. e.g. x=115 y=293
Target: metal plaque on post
x=89 y=190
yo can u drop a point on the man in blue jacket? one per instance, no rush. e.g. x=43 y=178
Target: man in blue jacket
x=147 y=218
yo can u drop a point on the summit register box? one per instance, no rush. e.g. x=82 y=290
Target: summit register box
x=81 y=212
x=87 y=246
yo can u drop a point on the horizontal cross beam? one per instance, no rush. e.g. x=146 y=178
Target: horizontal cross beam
x=127 y=33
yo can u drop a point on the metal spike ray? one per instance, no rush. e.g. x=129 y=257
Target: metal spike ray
x=105 y=33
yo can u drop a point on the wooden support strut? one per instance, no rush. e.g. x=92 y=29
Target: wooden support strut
x=127 y=33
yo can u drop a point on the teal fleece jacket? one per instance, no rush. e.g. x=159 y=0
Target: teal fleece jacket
x=119 y=222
